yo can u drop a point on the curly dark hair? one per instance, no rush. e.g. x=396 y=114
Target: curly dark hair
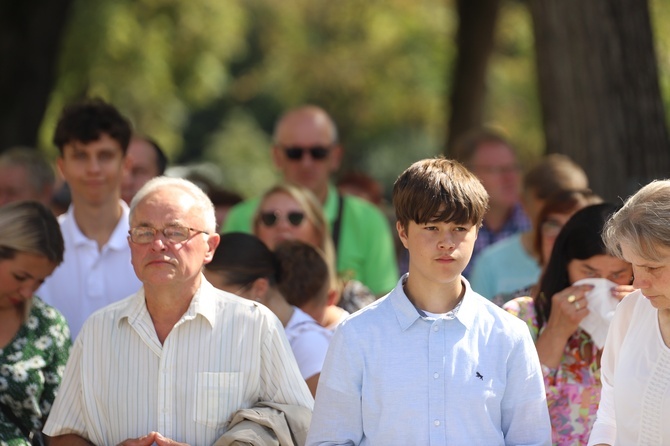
x=86 y=120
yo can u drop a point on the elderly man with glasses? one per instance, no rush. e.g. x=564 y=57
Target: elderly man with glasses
x=306 y=151
x=173 y=362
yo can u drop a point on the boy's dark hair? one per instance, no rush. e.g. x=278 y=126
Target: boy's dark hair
x=439 y=189
x=243 y=258
x=87 y=120
x=304 y=273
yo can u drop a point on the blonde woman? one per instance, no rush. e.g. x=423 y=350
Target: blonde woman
x=289 y=212
x=34 y=337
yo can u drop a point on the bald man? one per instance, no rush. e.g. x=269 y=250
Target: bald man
x=307 y=153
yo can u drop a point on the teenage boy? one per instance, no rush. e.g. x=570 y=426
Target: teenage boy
x=432 y=362
x=92 y=138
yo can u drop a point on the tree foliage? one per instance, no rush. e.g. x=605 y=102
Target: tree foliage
x=208 y=78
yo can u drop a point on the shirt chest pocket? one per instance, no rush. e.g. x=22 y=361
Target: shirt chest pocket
x=218 y=395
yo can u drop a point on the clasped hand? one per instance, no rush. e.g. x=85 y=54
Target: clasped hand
x=150 y=439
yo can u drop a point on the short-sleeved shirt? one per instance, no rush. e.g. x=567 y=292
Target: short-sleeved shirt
x=225 y=353
x=503 y=268
x=365 y=250
x=516 y=223
x=309 y=342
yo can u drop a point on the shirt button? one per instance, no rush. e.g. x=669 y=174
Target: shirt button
x=435 y=328
x=436 y=375
x=436 y=422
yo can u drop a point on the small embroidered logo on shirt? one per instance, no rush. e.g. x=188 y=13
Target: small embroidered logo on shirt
x=480 y=376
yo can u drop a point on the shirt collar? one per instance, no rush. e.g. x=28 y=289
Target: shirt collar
x=407 y=313
x=202 y=303
x=118 y=239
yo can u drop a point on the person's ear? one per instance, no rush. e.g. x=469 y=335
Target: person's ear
x=212 y=242
x=335 y=158
x=402 y=233
x=333 y=297
x=59 y=166
x=277 y=157
x=259 y=289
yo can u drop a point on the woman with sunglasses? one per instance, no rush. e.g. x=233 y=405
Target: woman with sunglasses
x=289 y=212
x=570 y=356
x=34 y=337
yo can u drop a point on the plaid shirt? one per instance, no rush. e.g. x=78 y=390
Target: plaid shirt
x=518 y=222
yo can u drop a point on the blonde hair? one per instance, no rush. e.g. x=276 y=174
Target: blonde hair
x=30 y=227
x=313 y=210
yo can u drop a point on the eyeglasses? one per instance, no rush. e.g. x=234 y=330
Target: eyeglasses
x=173 y=234
x=318 y=153
x=270 y=218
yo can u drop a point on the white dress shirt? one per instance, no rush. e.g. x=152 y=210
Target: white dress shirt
x=635 y=373
x=395 y=377
x=226 y=353
x=90 y=278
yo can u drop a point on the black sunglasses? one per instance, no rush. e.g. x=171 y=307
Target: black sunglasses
x=316 y=152
x=270 y=218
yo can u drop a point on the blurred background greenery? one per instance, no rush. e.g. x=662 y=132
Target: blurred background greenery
x=208 y=78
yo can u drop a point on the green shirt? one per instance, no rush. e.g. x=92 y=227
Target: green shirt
x=365 y=251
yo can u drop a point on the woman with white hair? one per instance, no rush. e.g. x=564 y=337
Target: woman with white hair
x=635 y=400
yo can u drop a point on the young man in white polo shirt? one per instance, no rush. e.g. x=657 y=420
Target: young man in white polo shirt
x=92 y=137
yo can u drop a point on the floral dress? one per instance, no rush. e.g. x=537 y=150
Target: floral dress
x=573 y=389
x=31 y=368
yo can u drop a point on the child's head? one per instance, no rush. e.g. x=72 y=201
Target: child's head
x=439 y=189
x=305 y=280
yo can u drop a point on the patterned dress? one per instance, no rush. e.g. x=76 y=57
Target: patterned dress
x=573 y=389
x=31 y=368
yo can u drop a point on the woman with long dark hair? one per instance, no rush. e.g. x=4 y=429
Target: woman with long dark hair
x=569 y=355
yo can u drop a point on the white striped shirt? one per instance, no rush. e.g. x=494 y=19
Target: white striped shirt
x=226 y=353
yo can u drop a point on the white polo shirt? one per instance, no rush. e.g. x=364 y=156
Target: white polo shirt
x=89 y=278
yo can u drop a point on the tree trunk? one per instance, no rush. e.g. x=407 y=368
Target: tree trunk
x=474 y=40
x=30 y=35
x=599 y=90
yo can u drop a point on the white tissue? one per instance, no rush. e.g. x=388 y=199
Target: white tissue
x=601 y=306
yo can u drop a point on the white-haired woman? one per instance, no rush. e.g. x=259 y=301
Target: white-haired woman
x=635 y=400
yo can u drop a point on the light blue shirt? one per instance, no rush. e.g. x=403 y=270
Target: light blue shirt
x=504 y=267
x=393 y=377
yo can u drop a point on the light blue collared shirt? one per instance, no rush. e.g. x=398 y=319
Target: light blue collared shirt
x=393 y=377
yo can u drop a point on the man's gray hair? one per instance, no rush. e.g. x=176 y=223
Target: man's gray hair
x=185 y=185
x=40 y=171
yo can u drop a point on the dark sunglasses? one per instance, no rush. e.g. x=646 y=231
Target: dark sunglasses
x=270 y=218
x=316 y=152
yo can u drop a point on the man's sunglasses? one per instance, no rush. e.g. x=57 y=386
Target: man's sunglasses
x=317 y=153
x=270 y=218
